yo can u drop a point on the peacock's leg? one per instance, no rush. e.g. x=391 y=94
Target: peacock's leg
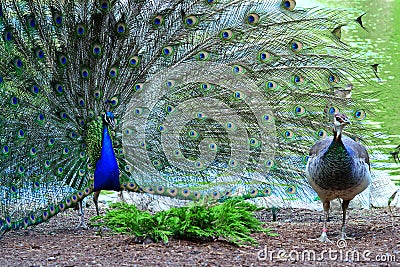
x=345 y=205
x=96 y=201
x=324 y=237
x=82 y=223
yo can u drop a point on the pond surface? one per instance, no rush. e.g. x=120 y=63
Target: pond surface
x=382 y=20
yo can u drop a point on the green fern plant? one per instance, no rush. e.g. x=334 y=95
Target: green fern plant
x=232 y=220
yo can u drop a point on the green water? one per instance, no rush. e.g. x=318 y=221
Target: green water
x=382 y=21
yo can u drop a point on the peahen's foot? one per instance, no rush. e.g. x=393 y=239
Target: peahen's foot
x=324 y=238
x=82 y=225
x=343 y=236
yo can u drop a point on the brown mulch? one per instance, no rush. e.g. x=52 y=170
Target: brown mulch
x=374 y=233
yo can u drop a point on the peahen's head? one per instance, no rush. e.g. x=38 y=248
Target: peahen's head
x=340 y=121
x=108 y=119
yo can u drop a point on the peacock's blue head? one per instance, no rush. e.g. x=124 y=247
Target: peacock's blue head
x=109 y=119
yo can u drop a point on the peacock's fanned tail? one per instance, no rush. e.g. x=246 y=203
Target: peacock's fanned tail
x=211 y=98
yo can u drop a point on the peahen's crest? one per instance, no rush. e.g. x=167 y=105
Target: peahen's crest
x=180 y=98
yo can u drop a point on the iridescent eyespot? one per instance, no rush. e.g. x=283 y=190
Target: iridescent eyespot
x=291 y=190
x=169 y=84
x=158 y=21
x=114 y=101
x=333 y=78
x=200 y=115
x=104 y=5
x=271 y=86
x=113 y=72
x=80 y=30
x=85 y=72
x=360 y=114
x=288 y=4
x=333 y=110
x=34 y=89
x=161 y=128
x=59 y=88
x=134 y=61
x=296 y=46
x=252 y=19
x=203 y=56
x=232 y=163
x=269 y=163
x=238 y=96
x=288 y=134
x=62 y=60
x=138 y=87
x=206 y=86
x=230 y=126
x=267 y=118
x=321 y=134
x=21 y=169
x=191 y=21
x=21 y=134
x=81 y=102
x=39 y=53
x=169 y=108
x=51 y=141
x=18 y=63
x=97 y=50
x=137 y=111
x=299 y=110
x=254 y=142
x=40 y=118
x=14 y=101
x=31 y=22
x=97 y=94
x=213 y=147
x=121 y=28
x=198 y=164
x=264 y=56
x=58 y=19
x=237 y=69
x=193 y=134
x=32 y=152
x=298 y=79
x=7 y=36
x=63 y=115
x=267 y=191
x=167 y=51
x=226 y=35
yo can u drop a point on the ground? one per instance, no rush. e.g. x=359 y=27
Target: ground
x=374 y=242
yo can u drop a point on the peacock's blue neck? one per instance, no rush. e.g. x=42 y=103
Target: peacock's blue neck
x=106 y=175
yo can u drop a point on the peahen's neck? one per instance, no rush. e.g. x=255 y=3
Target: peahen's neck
x=337 y=152
x=106 y=175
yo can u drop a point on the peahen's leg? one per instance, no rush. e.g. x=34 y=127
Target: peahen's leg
x=345 y=205
x=326 y=205
x=82 y=223
x=96 y=201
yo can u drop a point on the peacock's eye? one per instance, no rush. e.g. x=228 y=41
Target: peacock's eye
x=338 y=118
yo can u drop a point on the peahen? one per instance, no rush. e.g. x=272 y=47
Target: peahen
x=338 y=167
x=190 y=99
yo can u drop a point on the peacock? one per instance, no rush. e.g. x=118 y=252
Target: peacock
x=338 y=167
x=194 y=99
